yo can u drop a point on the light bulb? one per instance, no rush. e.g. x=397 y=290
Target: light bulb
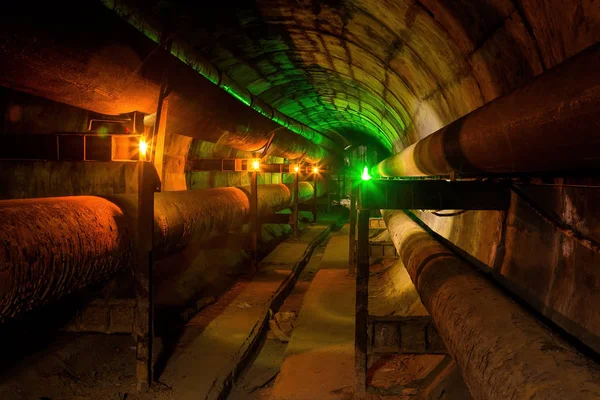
x=365 y=175
x=143 y=148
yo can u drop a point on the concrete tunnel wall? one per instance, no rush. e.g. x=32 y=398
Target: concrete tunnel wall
x=399 y=71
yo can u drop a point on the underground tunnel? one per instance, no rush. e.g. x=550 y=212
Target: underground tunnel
x=300 y=199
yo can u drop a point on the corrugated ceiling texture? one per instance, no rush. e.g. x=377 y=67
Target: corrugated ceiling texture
x=393 y=69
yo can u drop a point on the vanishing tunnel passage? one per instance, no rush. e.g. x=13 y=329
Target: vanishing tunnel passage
x=300 y=199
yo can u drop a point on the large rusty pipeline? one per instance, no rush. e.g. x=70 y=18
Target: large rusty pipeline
x=100 y=63
x=550 y=124
x=54 y=246
x=502 y=351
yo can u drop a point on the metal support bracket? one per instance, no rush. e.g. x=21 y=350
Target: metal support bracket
x=267 y=146
x=433 y=195
x=315 y=197
x=393 y=195
x=403 y=335
x=362 y=306
x=352 y=235
x=295 y=208
x=255 y=226
x=143 y=273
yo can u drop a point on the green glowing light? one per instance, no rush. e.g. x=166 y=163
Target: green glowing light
x=365 y=174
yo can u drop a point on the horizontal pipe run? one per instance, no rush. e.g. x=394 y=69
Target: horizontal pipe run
x=28 y=179
x=51 y=247
x=502 y=351
x=103 y=64
x=550 y=124
x=186 y=54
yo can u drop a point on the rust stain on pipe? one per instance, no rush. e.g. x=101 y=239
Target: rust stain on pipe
x=502 y=351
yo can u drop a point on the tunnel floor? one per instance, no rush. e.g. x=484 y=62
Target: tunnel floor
x=306 y=350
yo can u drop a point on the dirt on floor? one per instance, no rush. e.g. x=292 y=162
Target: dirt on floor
x=70 y=366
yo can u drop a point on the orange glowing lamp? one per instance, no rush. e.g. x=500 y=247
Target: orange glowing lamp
x=143 y=149
x=255 y=165
x=315 y=170
x=296 y=169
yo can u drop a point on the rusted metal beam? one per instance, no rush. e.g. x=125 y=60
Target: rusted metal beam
x=295 y=202
x=352 y=234
x=382 y=250
x=254 y=222
x=70 y=146
x=143 y=274
x=315 y=197
x=433 y=195
x=502 y=351
x=404 y=335
x=550 y=124
x=160 y=128
x=362 y=306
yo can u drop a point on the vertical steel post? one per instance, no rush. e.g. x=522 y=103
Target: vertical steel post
x=157 y=149
x=160 y=136
x=362 y=305
x=295 y=216
x=339 y=189
x=143 y=276
x=315 y=196
x=328 y=188
x=254 y=224
x=352 y=235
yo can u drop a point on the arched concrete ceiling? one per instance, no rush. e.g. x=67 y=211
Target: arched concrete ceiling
x=394 y=70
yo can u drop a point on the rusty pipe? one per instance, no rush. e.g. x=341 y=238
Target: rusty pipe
x=51 y=247
x=502 y=351
x=54 y=246
x=104 y=65
x=551 y=124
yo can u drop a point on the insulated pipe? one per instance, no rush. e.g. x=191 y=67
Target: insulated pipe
x=185 y=52
x=104 y=65
x=502 y=351
x=54 y=246
x=550 y=124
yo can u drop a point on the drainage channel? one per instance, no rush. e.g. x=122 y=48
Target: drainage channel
x=257 y=379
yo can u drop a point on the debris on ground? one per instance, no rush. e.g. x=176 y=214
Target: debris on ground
x=282 y=324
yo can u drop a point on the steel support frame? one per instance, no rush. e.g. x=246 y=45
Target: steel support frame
x=352 y=235
x=143 y=273
x=315 y=197
x=68 y=146
x=295 y=205
x=433 y=195
x=255 y=225
x=362 y=306
x=403 y=194
x=235 y=165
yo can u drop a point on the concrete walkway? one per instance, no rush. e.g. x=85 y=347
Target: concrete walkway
x=207 y=368
x=319 y=362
